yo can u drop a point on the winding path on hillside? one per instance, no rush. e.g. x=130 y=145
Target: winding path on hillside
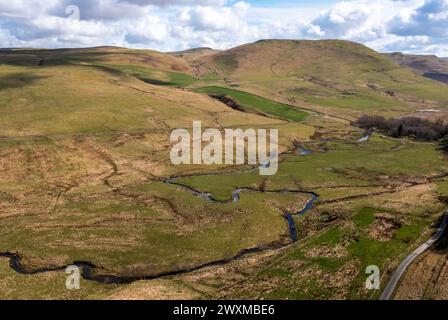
x=398 y=274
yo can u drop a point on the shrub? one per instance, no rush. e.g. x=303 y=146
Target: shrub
x=413 y=127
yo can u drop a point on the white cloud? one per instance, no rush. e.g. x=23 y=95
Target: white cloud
x=25 y=8
x=214 y=18
x=146 y=30
x=429 y=19
x=411 y=26
x=315 y=31
x=388 y=25
x=241 y=6
x=7 y=39
x=111 y=10
x=357 y=20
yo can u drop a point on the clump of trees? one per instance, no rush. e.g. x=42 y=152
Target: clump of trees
x=412 y=127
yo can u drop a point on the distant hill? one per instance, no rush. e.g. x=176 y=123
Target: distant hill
x=427 y=65
x=299 y=58
x=195 y=52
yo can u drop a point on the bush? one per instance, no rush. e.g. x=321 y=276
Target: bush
x=444 y=145
x=413 y=127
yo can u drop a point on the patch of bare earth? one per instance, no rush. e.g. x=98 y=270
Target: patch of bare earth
x=338 y=283
x=327 y=252
x=384 y=226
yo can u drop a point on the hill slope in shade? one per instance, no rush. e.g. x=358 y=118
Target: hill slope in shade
x=421 y=63
x=113 y=55
x=431 y=67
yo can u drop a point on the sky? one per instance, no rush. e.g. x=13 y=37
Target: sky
x=409 y=26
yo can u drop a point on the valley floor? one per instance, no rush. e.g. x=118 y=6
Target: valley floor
x=362 y=217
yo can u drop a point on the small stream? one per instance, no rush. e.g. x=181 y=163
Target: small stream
x=92 y=272
x=304 y=152
x=89 y=271
x=293 y=232
x=364 y=138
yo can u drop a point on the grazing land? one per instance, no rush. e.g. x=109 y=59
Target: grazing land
x=86 y=176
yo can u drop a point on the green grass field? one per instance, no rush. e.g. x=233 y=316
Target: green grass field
x=256 y=103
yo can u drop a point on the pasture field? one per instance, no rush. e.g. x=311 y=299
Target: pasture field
x=256 y=103
x=86 y=176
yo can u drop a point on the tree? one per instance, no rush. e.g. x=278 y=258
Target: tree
x=443 y=145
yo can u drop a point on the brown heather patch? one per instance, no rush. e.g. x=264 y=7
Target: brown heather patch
x=384 y=226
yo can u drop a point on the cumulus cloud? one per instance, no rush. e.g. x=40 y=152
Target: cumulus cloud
x=25 y=8
x=147 y=30
x=111 y=10
x=419 y=26
x=214 y=19
x=386 y=25
x=360 y=20
x=342 y=19
x=430 y=19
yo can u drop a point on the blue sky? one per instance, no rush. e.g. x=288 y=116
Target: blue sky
x=410 y=26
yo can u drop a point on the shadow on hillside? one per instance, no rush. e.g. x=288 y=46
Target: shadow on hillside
x=44 y=58
x=61 y=57
x=442 y=77
x=158 y=82
x=17 y=80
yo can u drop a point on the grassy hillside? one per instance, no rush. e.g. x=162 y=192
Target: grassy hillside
x=92 y=91
x=85 y=173
x=339 y=76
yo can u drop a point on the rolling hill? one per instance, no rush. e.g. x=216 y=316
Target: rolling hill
x=330 y=76
x=85 y=173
